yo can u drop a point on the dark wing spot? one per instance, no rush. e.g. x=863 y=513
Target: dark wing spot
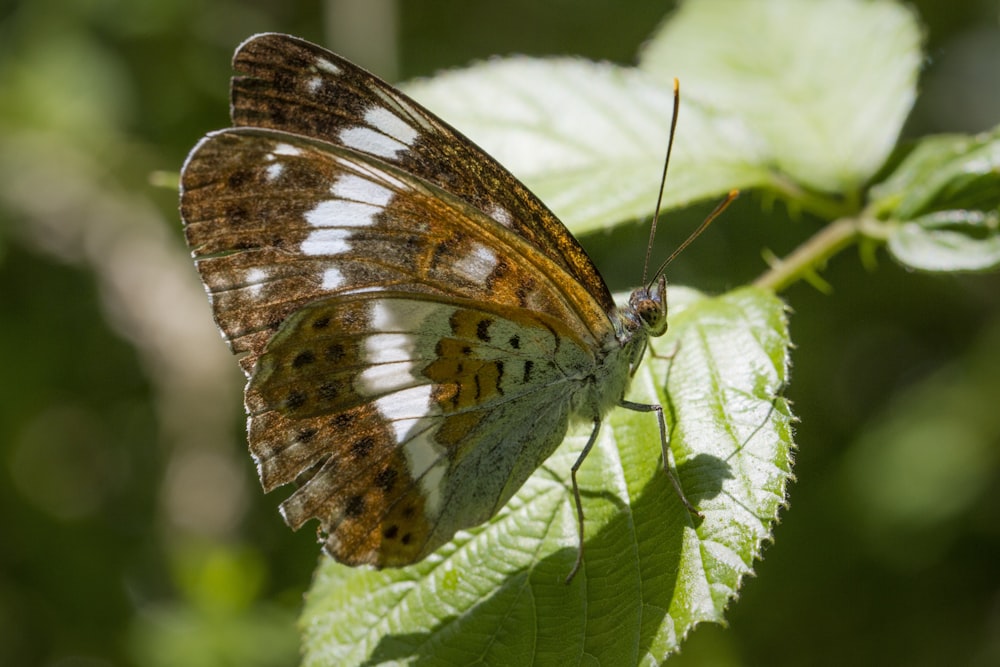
x=523 y=291
x=303 y=358
x=528 y=365
x=386 y=479
x=343 y=420
x=355 y=507
x=335 y=352
x=305 y=435
x=296 y=399
x=443 y=249
x=328 y=391
x=483 y=330
x=556 y=339
x=321 y=322
x=515 y=342
x=237 y=213
x=390 y=532
x=405 y=539
x=238 y=179
x=362 y=447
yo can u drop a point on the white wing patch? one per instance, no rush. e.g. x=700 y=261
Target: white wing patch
x=274 y=170
x=255 y=279
x=387 y=348
x=327 y=66
x=404 y=410
x=326 y=241
x=404 y=109
x=333 y=279
x=391 y=359
x=425 y=458
x=432 y=479
x=401 y=316
x=358 y=201
x=362 y=190
x=339 y=213
x=389 y=123
x=286 y=149
x=357 y=197
x=388 y=135
x=383 y=378
x=501 y=215
x=477 y=265
x=368 y=140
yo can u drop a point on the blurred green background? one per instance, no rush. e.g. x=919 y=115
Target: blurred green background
x=133 y=531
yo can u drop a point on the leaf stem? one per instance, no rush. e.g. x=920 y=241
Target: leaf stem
x=815 y=252
x=821 y=205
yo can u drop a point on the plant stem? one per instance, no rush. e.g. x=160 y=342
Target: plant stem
x=820 y=205
x=815 y=252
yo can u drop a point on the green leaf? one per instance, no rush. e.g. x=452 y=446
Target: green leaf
x=943 y=172
x=589 y=138
x=778 y=93
x=823 y=86
x=496 y=595
x=949 y=241
x=946 y=198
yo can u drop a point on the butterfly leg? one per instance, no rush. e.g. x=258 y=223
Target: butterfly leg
x=669 y=356
x=658 y=409
x=576 y=496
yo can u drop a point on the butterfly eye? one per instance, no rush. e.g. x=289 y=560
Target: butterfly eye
x=651 y=307
x=652 y=315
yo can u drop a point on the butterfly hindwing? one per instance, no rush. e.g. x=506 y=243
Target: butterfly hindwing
x=414 y=415
x=292 y=85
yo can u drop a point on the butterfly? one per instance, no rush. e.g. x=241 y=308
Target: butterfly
x=418 y=330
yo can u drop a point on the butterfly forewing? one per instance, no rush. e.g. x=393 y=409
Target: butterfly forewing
x=289 y=84
x=277 y=221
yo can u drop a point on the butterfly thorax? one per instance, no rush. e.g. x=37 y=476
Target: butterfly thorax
x=644 y=316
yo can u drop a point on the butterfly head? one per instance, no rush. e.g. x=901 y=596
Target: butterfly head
x=647 y=308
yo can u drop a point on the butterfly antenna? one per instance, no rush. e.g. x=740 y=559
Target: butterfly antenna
x=663 y=178
x=716 y=212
